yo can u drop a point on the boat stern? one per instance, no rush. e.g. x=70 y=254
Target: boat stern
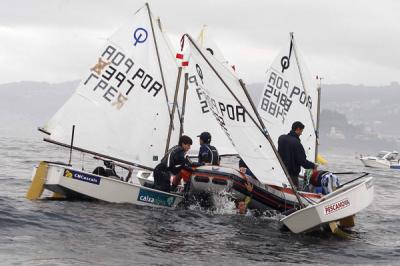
x=345 y=202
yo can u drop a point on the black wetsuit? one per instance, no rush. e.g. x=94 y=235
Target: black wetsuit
x=172 y=162
x=208 y=154
x=293 y=155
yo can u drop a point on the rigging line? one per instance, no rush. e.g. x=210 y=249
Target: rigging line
x=311 y=201
x=349 y=173
x=98 y=154
x=351 y=181
x=270 y=141
x=72 y=144
x=302 y=82
x=263 y=131
x=318 y=116
x=220 y=78
x=159 y=61
x=179 y=113
x=173 y=109
x=166 y=39
x=185 y=89
x=83 y=160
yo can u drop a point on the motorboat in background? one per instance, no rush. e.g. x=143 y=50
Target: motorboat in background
x=384 y=159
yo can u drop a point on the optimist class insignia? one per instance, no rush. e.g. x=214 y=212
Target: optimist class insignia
x=140 y=36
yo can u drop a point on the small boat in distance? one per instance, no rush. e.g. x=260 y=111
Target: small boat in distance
x=384 y=159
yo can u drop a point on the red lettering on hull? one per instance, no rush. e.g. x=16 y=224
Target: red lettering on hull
x=336 y=206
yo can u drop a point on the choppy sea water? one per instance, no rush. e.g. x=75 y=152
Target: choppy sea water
x=49 y=232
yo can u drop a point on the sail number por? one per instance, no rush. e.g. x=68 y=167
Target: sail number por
x=115 y=75
x=279 y=95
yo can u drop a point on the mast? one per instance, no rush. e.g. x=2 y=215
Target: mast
x=161 y=28
x=173 y=108
x=72 y=144
x=270 y=141
x=184 y=103
x=304 y=87
x=159 y=63
x=318 y=116
x=97 y=154
x=262 y=130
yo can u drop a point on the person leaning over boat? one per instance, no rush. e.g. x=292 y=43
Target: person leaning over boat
x=207 y=154
x=292 y=152
x=172 y=163
x=242 y=205
x=319 y=181
x=243 y=168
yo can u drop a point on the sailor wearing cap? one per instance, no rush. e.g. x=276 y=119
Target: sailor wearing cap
x=207 y=154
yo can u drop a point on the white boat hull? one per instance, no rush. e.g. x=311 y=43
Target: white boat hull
x=65 y=180
x=375 y=163
x=342 y=203
x=385 y=159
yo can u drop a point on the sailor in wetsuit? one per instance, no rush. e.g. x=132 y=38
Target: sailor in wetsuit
x=172 y=163
x=207 y=154
x=292 y=152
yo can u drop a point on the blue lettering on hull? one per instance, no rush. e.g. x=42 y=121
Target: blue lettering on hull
x=156 y=198
x=82 y=176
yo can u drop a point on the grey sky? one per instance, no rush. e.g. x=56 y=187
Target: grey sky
x=344 y=41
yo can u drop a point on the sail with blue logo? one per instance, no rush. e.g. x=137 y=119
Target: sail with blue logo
x=198 y=114
x=122 y=106
x=234 y=115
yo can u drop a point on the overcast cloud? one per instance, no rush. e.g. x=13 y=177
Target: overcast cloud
x=344 y=41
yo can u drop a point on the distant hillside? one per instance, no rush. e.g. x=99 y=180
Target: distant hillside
x=377 y=108
x=24 y=106
x=336 y=133
x=356 y=118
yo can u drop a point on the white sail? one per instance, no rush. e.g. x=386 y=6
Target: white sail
x=290 y=94
x=240 y=126
x=120 y=107
x=207 y=42
x=170 y=70
x=198 y=116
